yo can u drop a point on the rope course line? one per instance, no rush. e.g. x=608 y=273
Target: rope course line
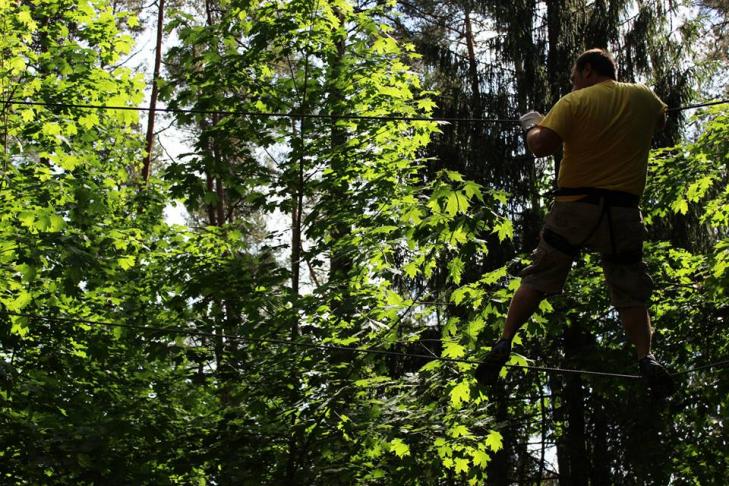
x=716 y=365
x=257 y=114
x=329 y=347
x=697 y=105
x=330 y=116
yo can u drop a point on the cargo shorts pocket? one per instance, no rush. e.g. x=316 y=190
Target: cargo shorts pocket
x=630 y=285
x=548 y=270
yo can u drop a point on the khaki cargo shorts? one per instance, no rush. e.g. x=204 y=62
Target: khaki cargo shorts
x=629 y=283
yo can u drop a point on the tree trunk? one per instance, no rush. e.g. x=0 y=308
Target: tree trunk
x=558 y=417
x=600 y=471
x=147 y=164
x=499 y=466
x=574 y=398
x=341 y=262
x=209 y=186
x=543 y=431
x=473 y=69
x=557 y=64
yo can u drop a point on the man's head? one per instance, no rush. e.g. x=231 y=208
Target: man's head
x=592 y=67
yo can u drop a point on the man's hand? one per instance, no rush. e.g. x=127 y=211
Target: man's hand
x=540 y=140
x=530 y=120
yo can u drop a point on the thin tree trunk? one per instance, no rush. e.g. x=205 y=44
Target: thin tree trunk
x=297 y=209
x=147 y=164
x=600 y=471
x=558 y=418
x=557 y=70
x=473 y=68
x=543 y=431
x=297 y=203
x=477 y=131
x=499 y=465
x=341 y=262
x=574 y=397
x=220 y=192
x=209 y=186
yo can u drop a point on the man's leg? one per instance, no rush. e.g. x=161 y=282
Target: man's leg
x=550 y=263
x=630 y=289
x=525 y=301
x=637 y=324
x=522 y=306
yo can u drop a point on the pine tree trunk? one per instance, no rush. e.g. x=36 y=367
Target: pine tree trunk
x=557 y=64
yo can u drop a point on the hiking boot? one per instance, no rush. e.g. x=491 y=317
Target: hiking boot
x=659 y=381
x=487 y=373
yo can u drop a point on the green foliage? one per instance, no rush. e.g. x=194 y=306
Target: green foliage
x=204 y=369
x=80 y=404
x=692 y=301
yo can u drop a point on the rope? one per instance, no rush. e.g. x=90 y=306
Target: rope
x=716 y=365
x=324 y=347
x=330 y=347
x=263 y=114
x=699 y=105
x=330 y=116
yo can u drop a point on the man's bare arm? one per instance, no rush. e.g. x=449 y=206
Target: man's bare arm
x=543 y=141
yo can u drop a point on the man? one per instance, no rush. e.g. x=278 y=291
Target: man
x=605 y=128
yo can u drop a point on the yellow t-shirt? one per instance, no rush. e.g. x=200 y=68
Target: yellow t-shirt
x=606 y=129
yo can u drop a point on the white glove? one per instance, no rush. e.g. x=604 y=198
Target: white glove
x=530 y=120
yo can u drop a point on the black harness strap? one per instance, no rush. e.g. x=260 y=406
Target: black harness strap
x=560 y=243
x=606 y=199
x=624 y=258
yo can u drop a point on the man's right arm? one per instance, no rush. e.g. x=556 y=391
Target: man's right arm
x=543 y=141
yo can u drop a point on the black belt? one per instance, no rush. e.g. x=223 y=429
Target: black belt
x=596 y=195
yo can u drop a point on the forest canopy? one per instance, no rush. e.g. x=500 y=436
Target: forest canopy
x=359 y=202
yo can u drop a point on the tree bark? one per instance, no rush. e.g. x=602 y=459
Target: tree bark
x=499 y=466
x=574 y=397
x=600 y=470
x=341 y=262
x=473 y=68
x=147 y=164
x=557 y=69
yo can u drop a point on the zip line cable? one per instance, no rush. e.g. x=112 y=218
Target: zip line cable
x=262 y=114
x=331 y=347
x=331 y=116
x=717 y=365
x=697 y=105
x=325 y=347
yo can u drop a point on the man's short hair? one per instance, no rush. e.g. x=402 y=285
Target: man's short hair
x=600 y=60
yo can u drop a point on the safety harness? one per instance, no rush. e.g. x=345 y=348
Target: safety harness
x=606 y=199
